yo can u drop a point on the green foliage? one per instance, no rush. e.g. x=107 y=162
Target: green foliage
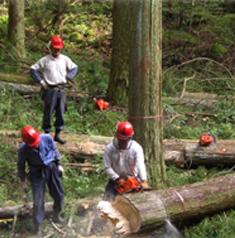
x=218 y=51
x=220 y=225
x=190 y=40
x=3 y=24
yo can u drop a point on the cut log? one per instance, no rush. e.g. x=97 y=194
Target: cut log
x=83 y=166
x=181 y=153
x=22 y=89
x=220 y=154
x=145 y=211
x=199 y=100
x=22 y=210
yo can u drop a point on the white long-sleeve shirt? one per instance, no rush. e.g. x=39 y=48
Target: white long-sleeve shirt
x=54 y=70
x=124 y=163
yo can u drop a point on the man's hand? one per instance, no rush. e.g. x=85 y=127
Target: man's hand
x=24 y=187
x=60 y=170
x=120 y=183
x=44 y=84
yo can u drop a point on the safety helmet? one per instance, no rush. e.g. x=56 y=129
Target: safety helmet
x=124 y=131
x=56 y=42
x=30 y=136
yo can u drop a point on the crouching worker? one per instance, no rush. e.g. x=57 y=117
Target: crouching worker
x=124 y=163
x=43 y=161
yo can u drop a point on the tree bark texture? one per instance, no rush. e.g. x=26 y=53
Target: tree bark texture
x=220 y=154
x=118 y=84
x=198 y=100
x=16 y=33
x=145 y=211
x=145 y=105
x=22 y=89
x=22 y=210
x=181 y=153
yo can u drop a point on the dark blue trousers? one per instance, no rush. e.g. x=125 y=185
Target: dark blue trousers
x=53 y=101
x=50 y=177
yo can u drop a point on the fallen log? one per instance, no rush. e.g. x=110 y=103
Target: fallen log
x=181 y=153
x=83 y=166
x=200 y=100
x=22 y=89
x=22 y=210
x=136 y=213
x=87 y=217
x=220 y=154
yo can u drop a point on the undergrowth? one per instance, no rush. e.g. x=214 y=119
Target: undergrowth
x=87 y=35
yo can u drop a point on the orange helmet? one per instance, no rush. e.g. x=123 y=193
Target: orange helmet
x=30 y=136
x=124 y=131
x=57 y=42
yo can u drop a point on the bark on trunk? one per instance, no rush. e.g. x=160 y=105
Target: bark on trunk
x=22 y=89
x=145 y=211
x=145 y=85
x=177 y=152
x=27 y=86
x=221 y=153
x=22 y=210
x=199 y=100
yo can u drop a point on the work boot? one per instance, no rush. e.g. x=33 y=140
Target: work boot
x=38 y=233
x=58 y=219
x=57 y=137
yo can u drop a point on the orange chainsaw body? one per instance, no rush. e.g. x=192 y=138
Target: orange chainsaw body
x=206 y=139
x=102 y=104
x=131 y=185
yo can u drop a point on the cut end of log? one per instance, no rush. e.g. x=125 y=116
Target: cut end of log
x=122 y=214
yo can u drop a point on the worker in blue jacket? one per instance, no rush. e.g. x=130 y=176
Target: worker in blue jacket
x=43 y=161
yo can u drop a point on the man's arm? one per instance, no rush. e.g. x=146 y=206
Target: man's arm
x=34 y=74
x=71 y=74
x=58 y=156
x=107 y=166
x=21 y=166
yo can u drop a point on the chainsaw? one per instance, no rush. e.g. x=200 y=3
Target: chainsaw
x=207 y=138
x=132 y=185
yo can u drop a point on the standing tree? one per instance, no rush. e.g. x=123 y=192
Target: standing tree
x=16 y=33
x=145 y=84
x=118 y=83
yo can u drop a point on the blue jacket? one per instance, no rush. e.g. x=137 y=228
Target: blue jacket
x=37 y=158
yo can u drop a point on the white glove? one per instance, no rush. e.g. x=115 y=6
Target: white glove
x=44 y=84
x=60 y=170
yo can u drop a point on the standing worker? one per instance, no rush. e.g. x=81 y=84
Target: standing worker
x=56 y=70
x=123 y=159
x=43 y=162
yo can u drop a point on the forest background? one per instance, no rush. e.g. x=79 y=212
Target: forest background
x=197 y=57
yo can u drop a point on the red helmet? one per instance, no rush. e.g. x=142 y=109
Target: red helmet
x=124 y=131
x=30 y=136
x=57 y=42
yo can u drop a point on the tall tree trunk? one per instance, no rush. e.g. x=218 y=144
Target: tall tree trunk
x=118 y=83
x=16 y=33
x=145 y=106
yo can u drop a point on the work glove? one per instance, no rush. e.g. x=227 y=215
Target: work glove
x=24 y=187
x=44 y=84
x=120 y=183
x=144 y=185
x=60 y=170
